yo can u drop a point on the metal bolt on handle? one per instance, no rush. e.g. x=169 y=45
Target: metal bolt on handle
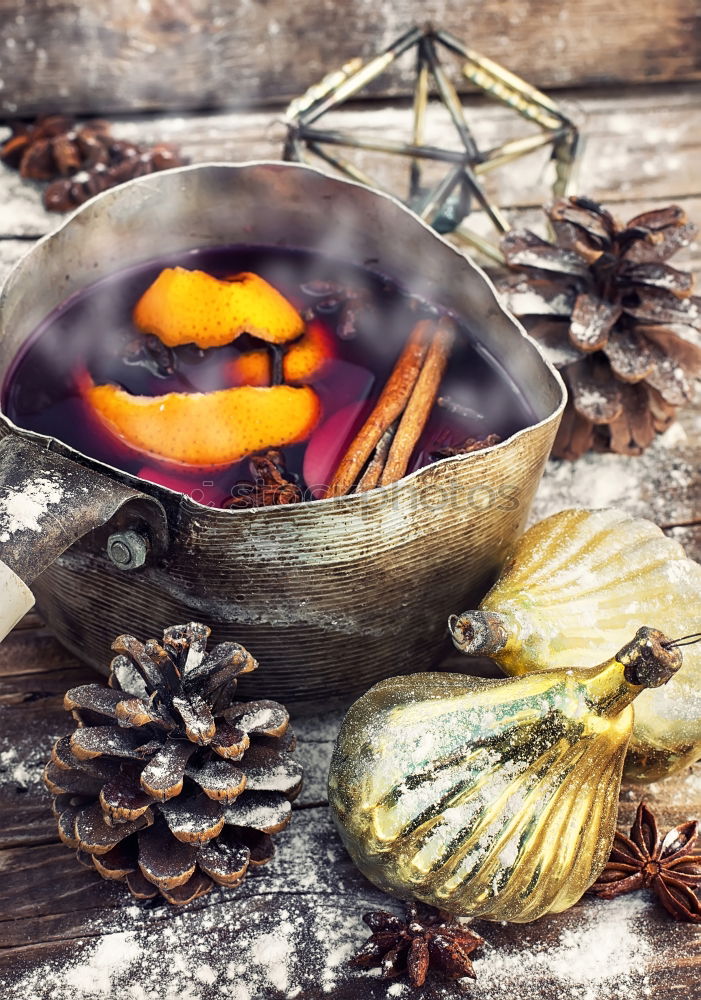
x=127 y=549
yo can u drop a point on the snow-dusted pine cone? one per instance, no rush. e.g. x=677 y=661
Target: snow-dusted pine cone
x=168 y=783
x=621 y=324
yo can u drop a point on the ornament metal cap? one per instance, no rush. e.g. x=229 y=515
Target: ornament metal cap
x=478 y=633
x=650 y=658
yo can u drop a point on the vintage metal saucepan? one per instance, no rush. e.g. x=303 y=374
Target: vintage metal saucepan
x=330 y=596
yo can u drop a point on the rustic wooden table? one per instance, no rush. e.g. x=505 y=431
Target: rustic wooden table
x=288 y=931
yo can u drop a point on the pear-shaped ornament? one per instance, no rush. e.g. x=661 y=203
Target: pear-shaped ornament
x=491 y=798
x=573 y=588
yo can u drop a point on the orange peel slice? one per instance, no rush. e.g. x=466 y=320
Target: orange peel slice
x=193 y=307
x=206 y=430
x=302 y=361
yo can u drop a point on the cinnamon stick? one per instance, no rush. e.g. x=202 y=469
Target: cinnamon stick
x=371 y=476
x=420 y=403
x=389 y=406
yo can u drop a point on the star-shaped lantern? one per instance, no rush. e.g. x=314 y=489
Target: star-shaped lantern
x=445 y=204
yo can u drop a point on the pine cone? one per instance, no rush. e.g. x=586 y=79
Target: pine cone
x=168 y=783
x=54 y=146
x=620 y=323
x=81 y=161
x=126 y=162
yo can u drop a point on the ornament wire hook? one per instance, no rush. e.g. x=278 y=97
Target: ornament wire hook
x=685 y=640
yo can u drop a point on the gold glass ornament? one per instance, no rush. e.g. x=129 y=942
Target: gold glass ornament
x=491 y=798
x=575 y=586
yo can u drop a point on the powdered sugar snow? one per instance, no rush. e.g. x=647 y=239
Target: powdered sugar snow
x=603 y=951
x=605 y=957
x=271 y=953
x=26 y=510
x=289 y=932
x=95 y=975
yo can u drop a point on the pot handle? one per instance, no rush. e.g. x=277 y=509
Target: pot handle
x=48 y=502
x=15 y=599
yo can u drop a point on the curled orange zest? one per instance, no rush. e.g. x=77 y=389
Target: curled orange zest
x=206 y=429
x=302 y=361
x=192 y=307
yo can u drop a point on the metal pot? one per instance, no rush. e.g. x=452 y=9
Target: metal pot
x=330 y=596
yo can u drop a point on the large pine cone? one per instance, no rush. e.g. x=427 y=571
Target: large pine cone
x=621 y=324
x=168 y=783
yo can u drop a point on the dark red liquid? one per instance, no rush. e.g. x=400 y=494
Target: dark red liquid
x=94 y=331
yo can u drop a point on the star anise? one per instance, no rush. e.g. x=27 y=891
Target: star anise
x=464 y=448
x=349 y=301
x=645 y=860
x=426 y=937
x=272 y=484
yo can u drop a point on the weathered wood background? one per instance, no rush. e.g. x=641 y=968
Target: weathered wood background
x=640 y=144
x=642 y=149
x=115 y=55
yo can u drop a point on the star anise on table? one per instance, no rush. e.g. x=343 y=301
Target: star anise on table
x=425 y=938
x=646 y=860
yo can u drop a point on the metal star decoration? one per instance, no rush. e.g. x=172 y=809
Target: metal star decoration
x=446 y=204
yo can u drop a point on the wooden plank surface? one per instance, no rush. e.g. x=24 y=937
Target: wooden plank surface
x=289 y=930
x=641 y=145
x=112 y=56
x=59 y=923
